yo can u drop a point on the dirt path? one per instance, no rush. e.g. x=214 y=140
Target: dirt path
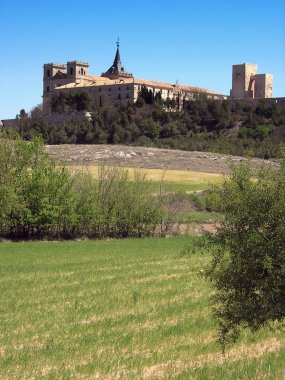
x=128 y=156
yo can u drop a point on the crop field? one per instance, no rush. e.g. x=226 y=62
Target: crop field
x=119 y=309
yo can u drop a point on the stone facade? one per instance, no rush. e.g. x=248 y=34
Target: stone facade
x=247 y=84
x=115 y=84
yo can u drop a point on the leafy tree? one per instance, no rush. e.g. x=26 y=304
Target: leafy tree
x=146 y=94
x=22 y=114
x=170 y=103
x=150 y=128
x=140 y=102
x=248 y=266
x=169 y=130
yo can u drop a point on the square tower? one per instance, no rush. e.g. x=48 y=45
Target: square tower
x=263 y=86
x=77 y=69
x=241 y=76
x=51 y=71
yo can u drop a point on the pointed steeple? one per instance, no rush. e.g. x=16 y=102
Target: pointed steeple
x=117 y=70
x=117 y=59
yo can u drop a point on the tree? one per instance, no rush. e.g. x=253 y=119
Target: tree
x=146 y=94
x=149 y=128
x=36 y=197
x=170 y=103
x=248 y=266
x=22 y=115
x=169 y=130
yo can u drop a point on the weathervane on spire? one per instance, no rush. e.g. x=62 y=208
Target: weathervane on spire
x=117 y=70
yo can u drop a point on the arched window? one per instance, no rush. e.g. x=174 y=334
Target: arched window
x=71 y=71
x=48 y=73
x=47 y=88
x=81 y=71
x=119 y=97
x=127 y=96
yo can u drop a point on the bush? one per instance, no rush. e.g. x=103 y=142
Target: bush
x=248 y=266
x=39 y=199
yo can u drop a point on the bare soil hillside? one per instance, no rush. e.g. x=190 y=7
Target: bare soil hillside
x=142 y=157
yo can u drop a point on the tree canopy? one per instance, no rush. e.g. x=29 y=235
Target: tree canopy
x=248 y=266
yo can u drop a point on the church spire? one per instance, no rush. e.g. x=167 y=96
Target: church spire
x=117 y=70
x=117 y=60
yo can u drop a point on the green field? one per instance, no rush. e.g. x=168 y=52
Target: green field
x=168 y=181
x=119 y=309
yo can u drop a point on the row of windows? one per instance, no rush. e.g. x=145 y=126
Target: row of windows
x=119 y=96
x=110 y=89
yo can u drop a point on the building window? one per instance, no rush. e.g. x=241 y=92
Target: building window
x=99 y=89
x=47 y=88
x=48 y=73
x=109 y=88
x=81 y=71
x=119 y=88
x=71 y=71
x=127 y=87
x=127 y=96
x=119 y=97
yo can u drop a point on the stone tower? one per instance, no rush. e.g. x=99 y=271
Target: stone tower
x=51 y=70
x=56 y=75
x=240 y=80
x=247 y=84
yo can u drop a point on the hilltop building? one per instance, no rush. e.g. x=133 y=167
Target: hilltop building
x=247 y=84
x=115 y=84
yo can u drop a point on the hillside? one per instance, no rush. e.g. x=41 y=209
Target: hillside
x=142 y=157
x=203 y=125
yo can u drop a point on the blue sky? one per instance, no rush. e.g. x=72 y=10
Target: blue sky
x=195 y=42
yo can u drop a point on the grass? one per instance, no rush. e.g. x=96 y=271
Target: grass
x=119 y=309
x=172 y=180
x=199 y=216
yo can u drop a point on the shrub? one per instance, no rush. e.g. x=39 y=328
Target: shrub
x=248 y=266
x=40 y=199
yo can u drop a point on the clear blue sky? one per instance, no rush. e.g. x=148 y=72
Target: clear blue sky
x=195 y=42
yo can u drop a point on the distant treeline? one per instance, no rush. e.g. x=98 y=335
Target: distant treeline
x=205 y=125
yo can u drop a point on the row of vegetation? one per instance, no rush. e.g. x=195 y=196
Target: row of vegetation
x=204 y=125
x=39 y=199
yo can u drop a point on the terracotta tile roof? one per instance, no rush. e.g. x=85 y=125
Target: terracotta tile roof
x=94 y=81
